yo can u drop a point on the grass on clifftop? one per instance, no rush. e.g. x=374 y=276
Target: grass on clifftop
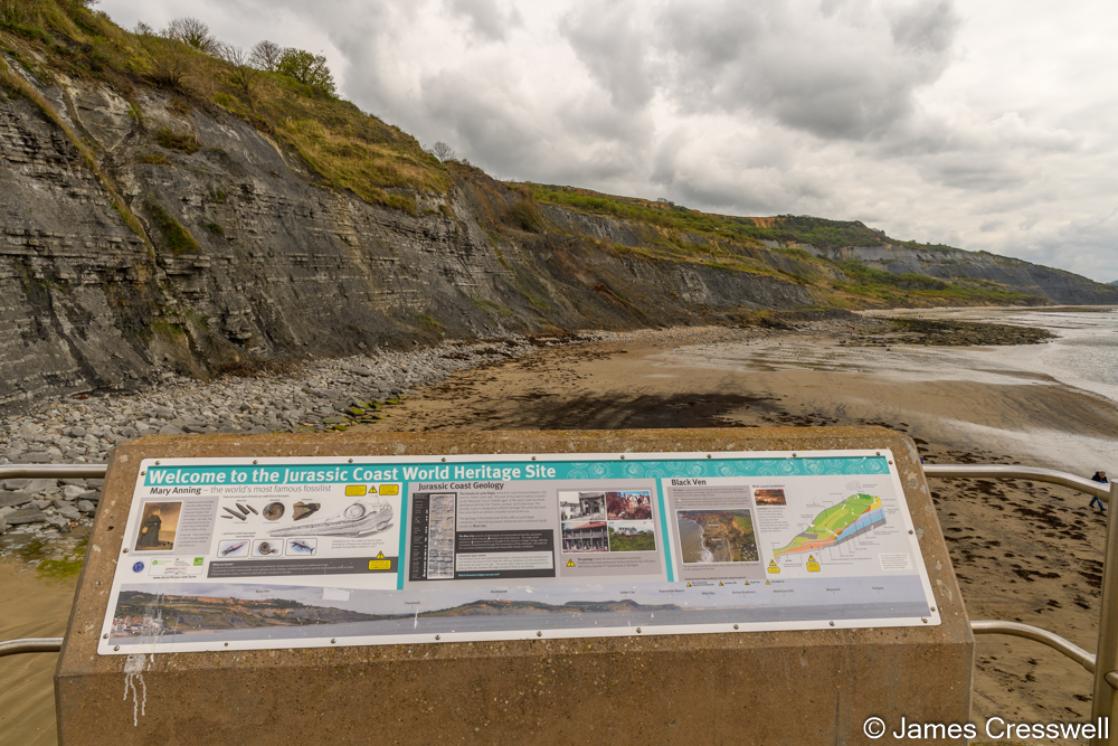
x=772 y=246
x=785 y=228
x=344 y=146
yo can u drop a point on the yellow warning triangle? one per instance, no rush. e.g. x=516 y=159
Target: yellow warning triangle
x=774 y=569
x=380 y=555
x=570 y=563
x=812 y=564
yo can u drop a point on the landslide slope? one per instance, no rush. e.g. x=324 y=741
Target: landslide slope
x=165 y=210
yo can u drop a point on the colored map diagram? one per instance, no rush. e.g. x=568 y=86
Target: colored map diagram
x=841 y=522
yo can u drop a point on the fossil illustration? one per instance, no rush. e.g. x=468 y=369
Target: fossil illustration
x=359 y=519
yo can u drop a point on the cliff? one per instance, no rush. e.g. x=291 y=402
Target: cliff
x=164 y=210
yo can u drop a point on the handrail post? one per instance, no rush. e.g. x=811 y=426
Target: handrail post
x=1106 y=658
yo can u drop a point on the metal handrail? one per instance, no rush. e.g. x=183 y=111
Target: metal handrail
x=1013 y=471
x=57 y=471
x=1038 y=634
x=1104 y=697
x=30 y=645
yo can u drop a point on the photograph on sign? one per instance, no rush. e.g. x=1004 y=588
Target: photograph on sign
x=158 y=524
x=269 y=553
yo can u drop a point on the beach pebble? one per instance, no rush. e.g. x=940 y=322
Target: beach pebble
x=316 y=395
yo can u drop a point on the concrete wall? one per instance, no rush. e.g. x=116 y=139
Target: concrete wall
x=812 y=687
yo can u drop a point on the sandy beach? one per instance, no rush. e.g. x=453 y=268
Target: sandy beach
x=1022 y=551
x=26 y=681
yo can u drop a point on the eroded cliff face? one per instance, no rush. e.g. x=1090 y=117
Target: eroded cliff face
x=241 y=256
x=150 y=233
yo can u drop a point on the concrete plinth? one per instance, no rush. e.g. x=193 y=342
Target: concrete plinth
x=814 y=687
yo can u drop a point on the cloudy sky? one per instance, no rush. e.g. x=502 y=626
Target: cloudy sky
x=986 y=124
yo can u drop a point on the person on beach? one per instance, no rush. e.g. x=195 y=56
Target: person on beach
x=1100 y=476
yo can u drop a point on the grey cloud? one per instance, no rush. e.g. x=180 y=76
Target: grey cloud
x=1087 y=247
x=924 y=26
x=757 y=177
x=489 y=19
x=484 y=125
x=981 y=172
x=848 y=74
x=478 y=114
x=928 y=134
x=609 y=41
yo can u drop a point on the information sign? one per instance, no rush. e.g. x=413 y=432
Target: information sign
x=234 y=554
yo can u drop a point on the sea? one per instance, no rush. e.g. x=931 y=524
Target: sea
x=1084 y=353
x=1082 y=356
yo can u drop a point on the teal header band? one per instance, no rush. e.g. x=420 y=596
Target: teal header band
x=296 y=473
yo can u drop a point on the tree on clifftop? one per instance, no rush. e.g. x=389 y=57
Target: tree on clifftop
x=241 y=73
x=442 y=151
x=193 y=33
x=307 y=68
x=266 y=55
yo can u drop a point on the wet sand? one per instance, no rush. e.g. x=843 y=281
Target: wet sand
x=1022 y=551
x=34 y=607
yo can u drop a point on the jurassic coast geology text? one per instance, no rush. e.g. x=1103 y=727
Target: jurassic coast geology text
x=224 y=554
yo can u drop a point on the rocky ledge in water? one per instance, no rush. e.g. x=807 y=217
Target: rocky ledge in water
x=321 y=395
x=881 y=332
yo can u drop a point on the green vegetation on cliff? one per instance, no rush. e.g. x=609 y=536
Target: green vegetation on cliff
x=346 y=147
x=288 y=96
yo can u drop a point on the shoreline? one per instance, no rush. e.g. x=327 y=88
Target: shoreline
x=333 y=395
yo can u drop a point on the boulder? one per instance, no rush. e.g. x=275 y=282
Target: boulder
x=15 y=499
x=40 y=486
x=25 y=516
x=70 y=512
